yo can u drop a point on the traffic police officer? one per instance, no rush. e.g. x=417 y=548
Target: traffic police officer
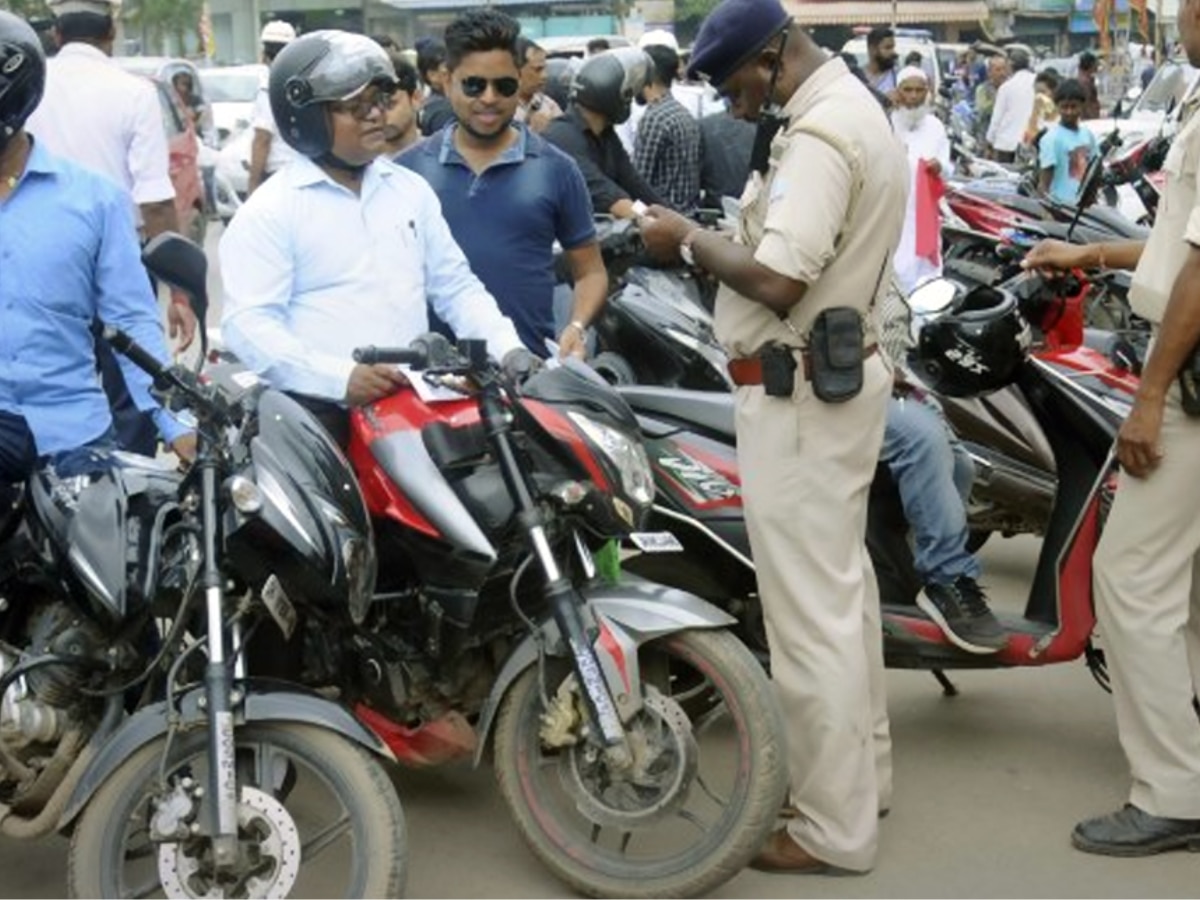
x=819 y=224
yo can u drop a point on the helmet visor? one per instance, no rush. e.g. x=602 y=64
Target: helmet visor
x=352 y=63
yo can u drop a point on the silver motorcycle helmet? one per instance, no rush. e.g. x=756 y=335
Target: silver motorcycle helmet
x=609 y=82
x=320 y=68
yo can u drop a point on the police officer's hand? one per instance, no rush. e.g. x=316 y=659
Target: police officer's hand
x=572 y=342
x=1139 y=445
x=663 y=230
x=181 y=321
x=1056 y=256
x=370 y=383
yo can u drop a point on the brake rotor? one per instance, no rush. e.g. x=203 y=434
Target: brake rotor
x=270 y=856
x=665 y=761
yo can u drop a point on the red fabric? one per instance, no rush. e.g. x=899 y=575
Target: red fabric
x=930 y=189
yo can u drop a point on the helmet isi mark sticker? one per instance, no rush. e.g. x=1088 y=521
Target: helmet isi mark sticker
x=13 y=63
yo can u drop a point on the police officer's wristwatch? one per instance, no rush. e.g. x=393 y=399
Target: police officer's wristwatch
x=685 y=247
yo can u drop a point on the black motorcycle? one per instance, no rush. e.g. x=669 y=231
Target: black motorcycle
x=131 y=600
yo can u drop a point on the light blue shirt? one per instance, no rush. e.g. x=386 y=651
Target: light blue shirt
x=1068 y=152
x=312 y=271
x=68 y=255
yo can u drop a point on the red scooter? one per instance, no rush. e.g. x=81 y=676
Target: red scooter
x=1077 y=395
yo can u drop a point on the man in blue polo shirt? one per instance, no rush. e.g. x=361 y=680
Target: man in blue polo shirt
x=507 y=194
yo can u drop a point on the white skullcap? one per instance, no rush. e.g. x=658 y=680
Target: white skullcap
x=658 y=38
x=908 y=73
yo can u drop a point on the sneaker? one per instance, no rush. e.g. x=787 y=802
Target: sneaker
x=1134 y=832
x=961 y=611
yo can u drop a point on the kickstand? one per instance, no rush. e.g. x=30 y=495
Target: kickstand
x=948 y=688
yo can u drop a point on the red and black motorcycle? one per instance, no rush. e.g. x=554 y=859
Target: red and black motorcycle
x=636 y=741
x=1077 y=395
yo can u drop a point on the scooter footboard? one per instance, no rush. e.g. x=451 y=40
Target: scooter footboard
x=628 y=614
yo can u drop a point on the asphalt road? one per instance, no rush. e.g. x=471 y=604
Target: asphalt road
x=988 y=786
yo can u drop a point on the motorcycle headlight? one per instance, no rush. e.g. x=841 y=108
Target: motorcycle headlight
x=626 y=454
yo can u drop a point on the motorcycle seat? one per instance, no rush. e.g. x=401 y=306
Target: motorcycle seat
x=710 y=411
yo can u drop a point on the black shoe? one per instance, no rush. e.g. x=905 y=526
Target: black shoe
x=961 y=611
x=1133 y=832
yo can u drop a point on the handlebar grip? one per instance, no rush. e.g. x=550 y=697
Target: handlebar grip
x=370 y=356
x=133 y=351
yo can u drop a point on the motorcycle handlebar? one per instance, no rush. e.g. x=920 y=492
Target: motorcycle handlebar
x=370 y=356
x=133 y=351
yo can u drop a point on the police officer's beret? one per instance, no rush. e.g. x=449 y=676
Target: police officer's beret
x=731 y=36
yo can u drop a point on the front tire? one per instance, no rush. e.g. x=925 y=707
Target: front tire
x=305 y=792
x=608 y=836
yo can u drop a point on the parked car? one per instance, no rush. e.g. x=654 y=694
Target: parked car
x=231 y=92
x=1147 y=115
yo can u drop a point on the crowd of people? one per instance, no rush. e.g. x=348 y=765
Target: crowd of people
x=388 y=195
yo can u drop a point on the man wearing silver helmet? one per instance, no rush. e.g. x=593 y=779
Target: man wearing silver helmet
x=342 y=249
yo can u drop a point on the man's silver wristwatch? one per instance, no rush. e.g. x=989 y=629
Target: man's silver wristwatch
x=685 y=247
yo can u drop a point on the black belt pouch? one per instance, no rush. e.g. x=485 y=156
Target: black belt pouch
x=836 y=350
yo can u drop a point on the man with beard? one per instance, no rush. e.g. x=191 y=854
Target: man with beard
x=401 y=130
x=341 y=249
x=507 y=194
x=818 y=226
x=881 y=60
x=918 y=257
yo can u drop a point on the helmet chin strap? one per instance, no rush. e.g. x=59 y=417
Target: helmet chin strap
x=336 y=162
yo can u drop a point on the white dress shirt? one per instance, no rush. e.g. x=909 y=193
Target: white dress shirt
x=312 y=271
x=103 y=118
x=281 y=152
x=1012 y=112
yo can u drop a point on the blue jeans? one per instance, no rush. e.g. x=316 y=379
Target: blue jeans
x=933 y=474
x=19 y=459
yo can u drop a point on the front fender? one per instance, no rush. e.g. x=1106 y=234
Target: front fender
x=629 y=614
x=265 y=701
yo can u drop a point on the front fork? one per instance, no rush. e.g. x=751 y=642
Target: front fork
x=564 y=600
x=218 y=678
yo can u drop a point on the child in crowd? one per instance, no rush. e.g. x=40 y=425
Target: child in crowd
x=1066 y=149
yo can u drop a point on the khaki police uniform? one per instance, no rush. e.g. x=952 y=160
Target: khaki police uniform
x=1147 y=568
x=832 y=222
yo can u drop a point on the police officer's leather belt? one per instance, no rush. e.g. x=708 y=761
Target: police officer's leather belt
x=749 y=370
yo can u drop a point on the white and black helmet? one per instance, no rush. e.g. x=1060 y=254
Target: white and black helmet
x=319 y=68
x=608 y=82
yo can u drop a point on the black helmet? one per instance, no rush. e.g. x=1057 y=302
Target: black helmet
x=22 y=74
x=608 y=82
x=316 y=69
x=975 y=346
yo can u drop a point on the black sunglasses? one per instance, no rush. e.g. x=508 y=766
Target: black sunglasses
x=476 y=85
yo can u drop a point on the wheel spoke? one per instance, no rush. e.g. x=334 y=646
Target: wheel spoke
x=709 y=792
x=693 y=819
x=625 y=838
x=323 y=839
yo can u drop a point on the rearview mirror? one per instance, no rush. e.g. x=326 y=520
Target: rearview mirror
x=178 y=262
x=933 y=296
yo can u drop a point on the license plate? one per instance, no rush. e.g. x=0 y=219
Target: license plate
x=280 y=607
x=656 y=542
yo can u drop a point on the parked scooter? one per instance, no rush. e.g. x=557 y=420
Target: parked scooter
x=1078 y=399
x=636 y=741
x=128 y=718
